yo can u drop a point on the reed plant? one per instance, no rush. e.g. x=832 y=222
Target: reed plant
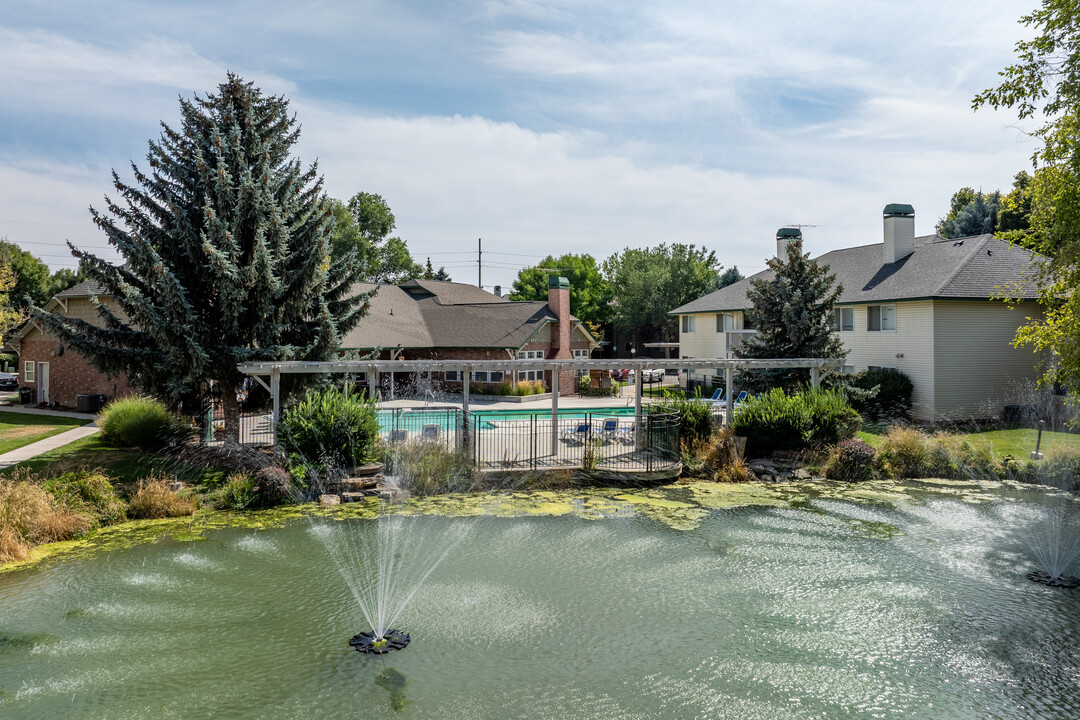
x=154 y=499
x=29 y=516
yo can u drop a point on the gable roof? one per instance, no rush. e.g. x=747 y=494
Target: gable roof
x=972 y=268
x=433 y=314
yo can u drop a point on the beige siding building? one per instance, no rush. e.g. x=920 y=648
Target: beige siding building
x=921 y=305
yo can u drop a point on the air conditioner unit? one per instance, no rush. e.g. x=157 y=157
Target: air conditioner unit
x=89 y=403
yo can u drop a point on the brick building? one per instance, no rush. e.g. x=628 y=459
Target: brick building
x=431 y=319
x=57 y=374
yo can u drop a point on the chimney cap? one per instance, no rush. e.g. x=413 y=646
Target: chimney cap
x=898 y=209
x=788 y=232
x=558 y=283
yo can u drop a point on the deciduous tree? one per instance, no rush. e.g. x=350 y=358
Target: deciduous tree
x=226 y=248
x=590 y=293
x=648 y=282
x=363 y=226
x=1043 y=86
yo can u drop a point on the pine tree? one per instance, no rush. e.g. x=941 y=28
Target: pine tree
x=226 y=256
x=793 y=316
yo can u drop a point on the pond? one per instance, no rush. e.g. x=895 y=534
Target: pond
x=698 y=601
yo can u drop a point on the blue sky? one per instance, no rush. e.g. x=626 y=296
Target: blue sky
x=541 y=127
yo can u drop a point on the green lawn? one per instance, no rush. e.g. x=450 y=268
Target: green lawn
x=1019 y=442
x=121 y=464
x=19 y=429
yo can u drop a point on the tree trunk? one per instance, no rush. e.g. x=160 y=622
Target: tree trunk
x=232 y=415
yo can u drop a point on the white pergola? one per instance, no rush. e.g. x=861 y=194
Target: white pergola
x=274 y=370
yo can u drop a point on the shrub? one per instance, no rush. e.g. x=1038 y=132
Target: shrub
x=154 y=499
x=811 y=418
x=90 y=492
x=246 y=490
x=892 y=401
x=331 y=428
x=695 y=417
x=425 y=469
x=138 y=421
x=586 y=389
x=851 y=460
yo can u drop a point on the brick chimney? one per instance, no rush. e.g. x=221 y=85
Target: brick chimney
x=559 y=302
x=899 y=231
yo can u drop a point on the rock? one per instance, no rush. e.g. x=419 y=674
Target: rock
x=327 y=500
x=176 y=486
x=801 y=474
x=367 y=470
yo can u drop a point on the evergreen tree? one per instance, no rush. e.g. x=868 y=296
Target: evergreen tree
x=728 y=277
x=971 y=213
x=793 y=316
x=431 y=274
x=226 y=256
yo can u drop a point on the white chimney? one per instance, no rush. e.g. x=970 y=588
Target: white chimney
x=784 y=237
x=498 y=291
x=899 y=232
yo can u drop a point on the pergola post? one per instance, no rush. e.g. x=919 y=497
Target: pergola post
x=555 y=411
x=372 y=382
x=729 y=403
x=815 y=377
x=275 y=393
x=639 y=383
x=465 y=373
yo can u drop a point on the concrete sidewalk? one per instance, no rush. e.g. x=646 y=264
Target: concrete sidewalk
x=50 y=443
x=25 y=410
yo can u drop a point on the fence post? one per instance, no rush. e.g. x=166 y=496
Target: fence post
x=532 y=441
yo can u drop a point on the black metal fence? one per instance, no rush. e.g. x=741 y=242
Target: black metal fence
x=593 y=441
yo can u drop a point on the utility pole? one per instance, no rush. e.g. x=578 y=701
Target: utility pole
x=479 y=263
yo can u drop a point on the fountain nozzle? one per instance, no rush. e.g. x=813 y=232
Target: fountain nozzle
x=372 y=644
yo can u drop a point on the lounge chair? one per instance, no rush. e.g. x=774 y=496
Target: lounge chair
x=610 y=429
x=742 y=397
x=576 y=434
x=430 y=433
x=399 y=435
x=717 y=397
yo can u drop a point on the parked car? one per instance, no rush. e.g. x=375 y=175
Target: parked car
x=652 y=375
x=621 y=375
x=8 y=381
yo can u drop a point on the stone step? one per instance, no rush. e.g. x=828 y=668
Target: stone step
x=358 y=483
x=358 y=496
x=368 y=470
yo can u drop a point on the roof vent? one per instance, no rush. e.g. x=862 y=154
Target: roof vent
x=784 y=237
x=899 y=231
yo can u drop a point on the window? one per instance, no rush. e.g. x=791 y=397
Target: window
x=452 y=376
x=688 y=323
x=724 y=322
x=530 y=375
x=28 y=371
x=581 y=355
x=880 y=317
x=848 y=370
x=844 y=319
x=484 y=376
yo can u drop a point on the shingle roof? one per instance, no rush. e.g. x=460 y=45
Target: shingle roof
x=972 y=268
x=84 y=289
x=432 y=314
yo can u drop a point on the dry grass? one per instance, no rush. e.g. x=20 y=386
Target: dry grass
x=30 y=516
x=154 y=500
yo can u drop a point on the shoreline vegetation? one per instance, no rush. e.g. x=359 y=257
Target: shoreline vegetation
x=145 y=475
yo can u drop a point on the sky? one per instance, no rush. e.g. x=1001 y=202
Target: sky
x=536 y=128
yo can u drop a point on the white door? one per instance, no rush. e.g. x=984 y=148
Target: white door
x=43 y=382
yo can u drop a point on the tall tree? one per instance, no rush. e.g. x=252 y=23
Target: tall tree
x=226 y=246
x=32 y=278
x=970 y=213
x=793 y=316
x=430 y=273
x=363 y=226
x=10 y=314
x=1044 y=84
x=729 y=277
x=590 y=293
x=648 y=282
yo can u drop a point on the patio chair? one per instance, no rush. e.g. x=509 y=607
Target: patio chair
x=626 y=434
x=610 y=429
x=576 y=434
x=430 y=433
x=717 y=397
x=399 y=435
x=740 y=399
